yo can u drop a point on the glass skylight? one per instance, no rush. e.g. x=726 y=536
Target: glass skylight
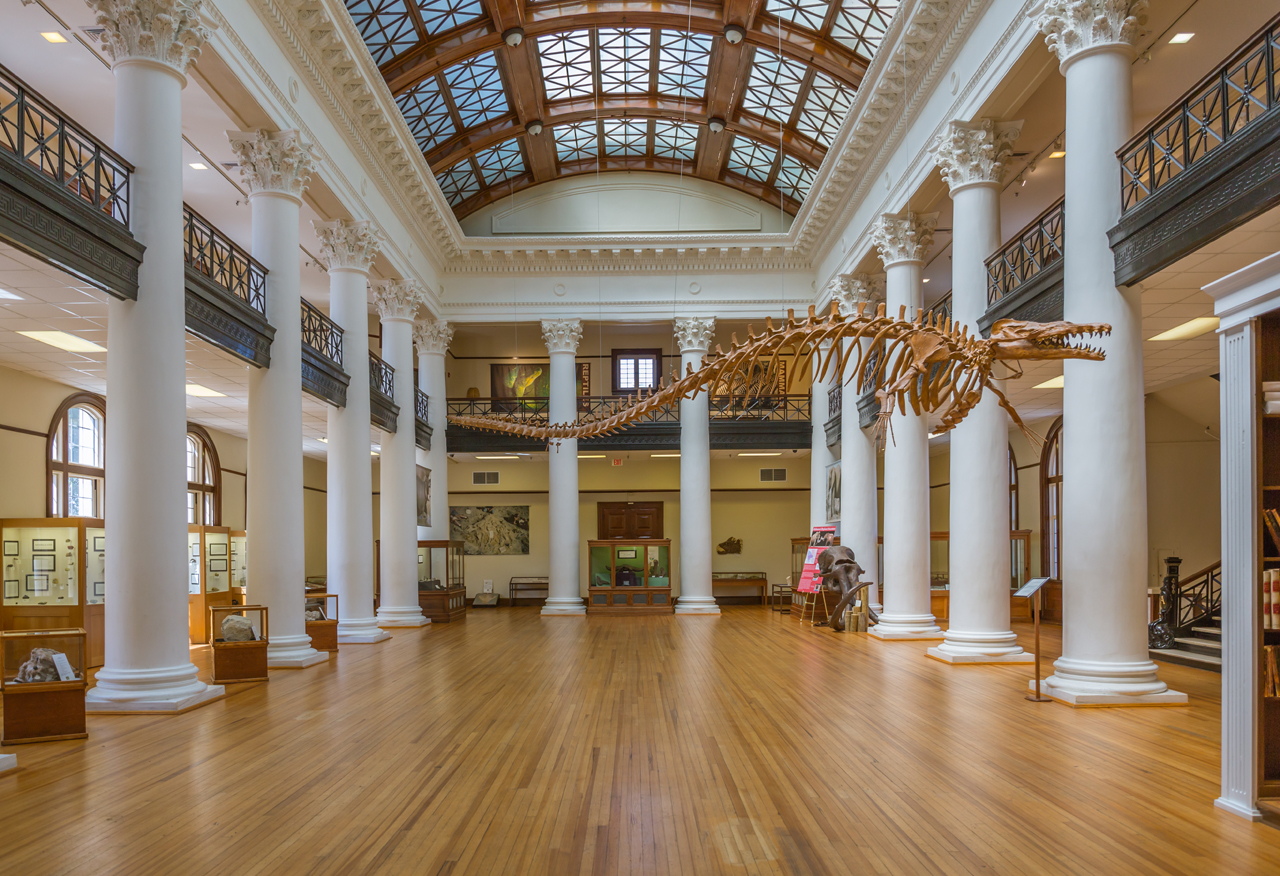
x=751 y=159
x=824 y=109
x=501 y=162
x=674 y=139
x=806 y=13
x=427 y=114
x=458 y=183
x=773 y=87
x=624 y=59
x=624 y=136
x=477 y=91
x=861 y=25
x=682 y=63
x=576 y=141
x=794 y=178
x=566 y=64
x=386 y=26
x=441 y=15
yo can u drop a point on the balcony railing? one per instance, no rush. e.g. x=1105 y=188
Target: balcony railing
x=35 y=131
x=785 y=408
x=213 y=254
x=420 y=404
x=835 y=399
x=381 y=376
x=533 y=411
x=603 y=406
x=1219 y=108
x=1033 y=249
x=321 y=334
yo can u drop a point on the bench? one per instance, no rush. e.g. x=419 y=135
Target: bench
x=741 y=579
x=519 y=584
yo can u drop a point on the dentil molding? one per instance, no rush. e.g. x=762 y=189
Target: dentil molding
x=170 y=32
x=278 y=163
x=1071 y=26
x=348 y=244
x=562 y=335
x=974 y=152
x=694 y=333
x=432 y=336
x=398 y=300
x=904 y=239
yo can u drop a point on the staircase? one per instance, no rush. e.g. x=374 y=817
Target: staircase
x=1189 y=629
x=1201 y=648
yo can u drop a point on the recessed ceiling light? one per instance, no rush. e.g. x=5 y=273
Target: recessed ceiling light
x=196 y=165
x=1058 y=153
x=664 y=456
x=926 y=279
x=591 y=456
x=54 y=37
x=10 y=296
x=1054 y=383
x=64 y=341
x=497 y=457
x=204 y=391
x=323 y=440
x=779 y=453
x=1179 y=38
x=1192 y=329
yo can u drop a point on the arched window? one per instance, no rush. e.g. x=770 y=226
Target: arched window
x=77 y=457
x=1051 y=503
x=204 y=478
x=1013 y=489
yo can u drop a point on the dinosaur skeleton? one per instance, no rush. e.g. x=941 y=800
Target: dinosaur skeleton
x=925 y=362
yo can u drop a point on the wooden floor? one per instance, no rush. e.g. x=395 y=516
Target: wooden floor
x=749 y=743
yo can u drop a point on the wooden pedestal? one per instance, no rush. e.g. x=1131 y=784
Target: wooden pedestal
x=444 y=606
x=239 y=661
x=43 y=712
x=630 y=600
x=324 y=635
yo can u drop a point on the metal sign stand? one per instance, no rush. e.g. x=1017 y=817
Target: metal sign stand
x=1031 y=590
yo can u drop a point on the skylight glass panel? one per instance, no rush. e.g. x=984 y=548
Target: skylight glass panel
x=501 y=162
x=476 y=88
x=624 y=59
x=794 y=178
x=774 y=84
x=575 y=141
x=806 y=13
x=824 y=109
x=441 y=15
x=751 y=159
x=624 y=136
x=674 y=139
x=566 y=64
x=427 y=115
x=386 y=26
x=458 y=183
x=861 y=24
x=682 y=63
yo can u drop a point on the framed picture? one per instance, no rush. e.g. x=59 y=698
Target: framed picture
x=491 y=530
x=37 y=583
x=44 y=544
x=44 y=563
x=217 y=565
x=217 y=550
x=233 y=548
x=11 y=588
x=99 y=588
x=195 y=579
x=833 y=491
x=424 y=496
x=626 y=553
x=10 y=548
x=531 y=380
x=99 y=543
x=195 y=550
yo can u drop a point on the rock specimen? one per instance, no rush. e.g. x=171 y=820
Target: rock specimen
x=313 y=615
x=39 y=667
x=236 y=628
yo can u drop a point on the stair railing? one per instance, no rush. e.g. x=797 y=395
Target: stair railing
x=1185 y=602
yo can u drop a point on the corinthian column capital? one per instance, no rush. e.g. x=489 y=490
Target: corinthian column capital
x=974 y=152
x=1071 y=26
x=169 y=32
x=398 y=299
x=278 y=163
x=850 y=290
x=348 y=244
x=904 y=239
x=562 y=335
x=694 y=333
x=432 y=336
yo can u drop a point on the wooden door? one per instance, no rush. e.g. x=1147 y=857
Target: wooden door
x=628 y=520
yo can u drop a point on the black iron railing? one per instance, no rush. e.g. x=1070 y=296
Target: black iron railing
x=787 y=408
x=213 y=254
x=603 y=406
x=39 y=134
x=532 y=411
x=381 y=376
x=1229 y=100
x=790 y=408
x=320 y=333
x=1032 y=250
x=420 y=404
x=1185 y=602
x=943 y=307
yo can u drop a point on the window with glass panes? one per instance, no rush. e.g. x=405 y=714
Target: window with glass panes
x=1051 y=502
x=77 y=473
x=203 y=505
x=635 y=370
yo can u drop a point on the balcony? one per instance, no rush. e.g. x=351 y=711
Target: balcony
x=1024 y=278
x=422 y=429
x=322 y=373
x=383 y=410
x=64 y=194
x=1206 y=165
x=226 y=292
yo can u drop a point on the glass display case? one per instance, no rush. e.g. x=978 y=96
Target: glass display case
x=320 y=611
x=208 y=576
x=629 y=577
x=239 y=567
x=43 y=683
x=442 y=584
x=53 y=576
x=238 y=637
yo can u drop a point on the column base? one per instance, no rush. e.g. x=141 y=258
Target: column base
x=560 y=605
x=983 y=647
x=1105 y=683
x=293 y=652
x=361 y=631
x=170 y=689
x=697 y=605
x=906 y=626
x=8 y=763
x=402 y=616
x=938 y=653
x=1222 y=803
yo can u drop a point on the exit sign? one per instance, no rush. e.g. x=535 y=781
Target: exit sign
x=617 y=462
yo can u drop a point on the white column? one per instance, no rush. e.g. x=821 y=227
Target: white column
x=148 y=667
x=433 y=340
x=859 y=496
x=347 y=250
x=565 y=590
x=1104 y=513
x=275 y=168
x=972 y=159
x=398 y=302
x=903 y=244
x=693 y=337
x=820 y=454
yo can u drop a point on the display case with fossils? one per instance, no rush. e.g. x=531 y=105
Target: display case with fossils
x=209 y=576
x=321 y=613
x=42 y=679
x=238 y=637
x=442 y=585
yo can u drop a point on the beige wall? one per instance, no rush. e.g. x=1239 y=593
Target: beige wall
x=1183 y=499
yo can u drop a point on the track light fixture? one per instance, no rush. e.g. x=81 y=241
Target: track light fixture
x=734 y=34
x=716 y=125
x=513 y=36
x=534 y=127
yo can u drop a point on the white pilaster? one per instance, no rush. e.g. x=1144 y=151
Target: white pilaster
x=148 y=667
x=398 y=302
x=1104 y=512
x=903 y=244
x=348 y=250
x=859 y=496
x=433 y=340
x=972 y=159
x=565 y=591
x=275 y=168
x=820 y=456
x=693 y=338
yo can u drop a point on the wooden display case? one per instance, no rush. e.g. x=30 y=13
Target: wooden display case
x=324 y=630
x=54 y=577
x=629 y=577
x=442 y=582
x=239 y=567
x=208 y=576
x=42 y=711
x=1269 y=500
x=239 y=661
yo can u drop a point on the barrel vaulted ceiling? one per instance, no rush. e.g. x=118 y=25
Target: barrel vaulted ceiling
x=622 y=85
